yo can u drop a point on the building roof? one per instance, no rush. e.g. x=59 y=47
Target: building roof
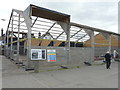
x=37 y=11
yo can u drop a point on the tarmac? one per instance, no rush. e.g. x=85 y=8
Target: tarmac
x=95 y=76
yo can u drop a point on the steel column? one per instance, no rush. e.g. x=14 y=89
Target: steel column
x=7 y=43
x=91 y=35
x=92 y=46
x=28 y=24
x=18 y=43
x=108 y=38
x=11 y=45
x=66 y=28
x=109 y=42
x=68 y=44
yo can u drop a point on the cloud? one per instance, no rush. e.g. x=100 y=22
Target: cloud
x=103 y=15
x=100 y=14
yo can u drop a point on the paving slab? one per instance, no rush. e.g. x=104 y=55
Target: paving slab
x=96 y=76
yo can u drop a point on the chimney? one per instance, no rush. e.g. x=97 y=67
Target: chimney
x=2 y=32
x=39 y=35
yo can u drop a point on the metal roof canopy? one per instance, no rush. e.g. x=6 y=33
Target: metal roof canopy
x=33 y=10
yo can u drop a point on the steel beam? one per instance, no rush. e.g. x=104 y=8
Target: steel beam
x=20 y=23
x=59 y=35
x=51 y=27
x=51 y=36
x=81 y=37
x=48 y=31
x=76 y=33
x=34 y=22
x=14 y=35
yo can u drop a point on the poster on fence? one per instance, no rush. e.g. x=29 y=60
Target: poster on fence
x=51 y=55
x=38 y=54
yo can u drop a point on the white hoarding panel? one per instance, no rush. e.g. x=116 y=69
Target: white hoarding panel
x=38 y=54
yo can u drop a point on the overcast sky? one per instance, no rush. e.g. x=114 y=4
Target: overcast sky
x=101 y=14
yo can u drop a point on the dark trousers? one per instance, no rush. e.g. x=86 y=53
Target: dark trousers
x=108 y=63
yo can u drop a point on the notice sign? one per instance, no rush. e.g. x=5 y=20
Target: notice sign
x=51 y=55
x=38 y=54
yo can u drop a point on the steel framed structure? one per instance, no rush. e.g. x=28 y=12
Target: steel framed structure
x=37 y=22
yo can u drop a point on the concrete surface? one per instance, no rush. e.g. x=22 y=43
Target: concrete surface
x=95 y=76
x=77 y=55
x=0 y=72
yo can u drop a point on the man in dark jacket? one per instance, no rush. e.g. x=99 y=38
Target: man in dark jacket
x=108 y=60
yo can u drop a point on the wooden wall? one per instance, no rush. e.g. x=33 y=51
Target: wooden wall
x=100 y=39
x=43 y=42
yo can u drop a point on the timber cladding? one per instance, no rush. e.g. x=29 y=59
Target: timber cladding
x=100 y=41
x=42 y=42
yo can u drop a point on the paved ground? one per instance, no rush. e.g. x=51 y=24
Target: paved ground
x=0 y=72
x=84 y=77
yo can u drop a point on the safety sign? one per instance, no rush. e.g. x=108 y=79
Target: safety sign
x=51 y=55
x=38 y=54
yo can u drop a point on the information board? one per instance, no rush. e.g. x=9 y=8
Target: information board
x=38 y=54
x=51 y=55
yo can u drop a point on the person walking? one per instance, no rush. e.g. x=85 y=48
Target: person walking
x=108 y=59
